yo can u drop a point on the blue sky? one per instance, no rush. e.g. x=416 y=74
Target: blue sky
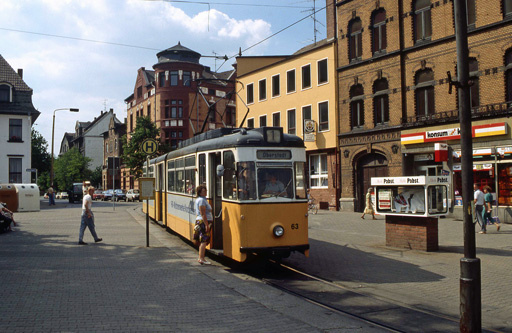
x=109 y=40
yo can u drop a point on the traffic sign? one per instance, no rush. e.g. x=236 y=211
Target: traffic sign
x=31 y=170
x=149 y=146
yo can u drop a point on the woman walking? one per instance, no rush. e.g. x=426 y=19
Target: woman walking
x=369 y=205
x=204 y=221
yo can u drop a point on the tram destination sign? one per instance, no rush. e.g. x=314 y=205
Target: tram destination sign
x=274 y=154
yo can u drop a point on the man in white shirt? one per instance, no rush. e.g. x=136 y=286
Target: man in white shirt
x=87 y=218
x=479 y=207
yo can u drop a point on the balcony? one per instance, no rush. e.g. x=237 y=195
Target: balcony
x=481 y=112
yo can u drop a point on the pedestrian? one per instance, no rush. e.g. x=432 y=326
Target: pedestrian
x=488 y=207
x=87 y=220
x=6 y=218
x=369 y=205
x=479 y=208
x=51 y=196
x=203 y=225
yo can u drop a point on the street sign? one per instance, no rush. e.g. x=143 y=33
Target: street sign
x=31 y=170
x=147 y=188
x=149 y=146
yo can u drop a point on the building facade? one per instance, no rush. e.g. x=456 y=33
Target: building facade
x=17 y=115
x=177 y=96
x=112 y=152
x=298 y=93
x=394 y=99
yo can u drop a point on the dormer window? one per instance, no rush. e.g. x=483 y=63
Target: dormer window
x=5 y=93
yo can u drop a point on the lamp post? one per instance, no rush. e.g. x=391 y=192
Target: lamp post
x=53 y=134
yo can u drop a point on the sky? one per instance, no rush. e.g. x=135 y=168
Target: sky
x=85 y=54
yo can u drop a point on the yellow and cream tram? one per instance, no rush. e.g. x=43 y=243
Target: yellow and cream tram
x=256 y=187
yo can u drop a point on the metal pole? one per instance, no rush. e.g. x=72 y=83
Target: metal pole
x=51 y=164
x=470 y=283
x=147 y=205
x=113 y=183
x=496 y=179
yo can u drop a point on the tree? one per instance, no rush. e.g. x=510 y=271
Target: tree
x=96 y=176
x=41 y=158
x=133 y=156
x=71 y=168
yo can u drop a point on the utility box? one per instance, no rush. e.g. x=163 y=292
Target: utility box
x=28 y=197
x=9 y=196
x=412 y=206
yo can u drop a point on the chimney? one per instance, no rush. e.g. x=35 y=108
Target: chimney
x=111 y=110
x=20 y=73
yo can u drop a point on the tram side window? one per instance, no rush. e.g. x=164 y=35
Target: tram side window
x=300 y=185
x=229 y=178
x=190 y=174
x=170 y=176
x=246 y=181
x=180 y=176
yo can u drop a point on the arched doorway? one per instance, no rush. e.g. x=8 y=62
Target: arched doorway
x=368 y=166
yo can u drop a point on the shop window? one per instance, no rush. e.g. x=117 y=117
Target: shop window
x=318 y=170
x=422 y=20
x=357 y=106
x=380 y=102
x=424 y=92
x=379 y=38
x=355 y=40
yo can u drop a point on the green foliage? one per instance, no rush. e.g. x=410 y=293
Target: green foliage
x=71 y=168
x=133 y=156
x=41 y=159
x=43 y=181
x=96 y=177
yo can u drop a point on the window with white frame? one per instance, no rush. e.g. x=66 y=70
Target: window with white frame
x=306 y=76
x=306 y=114
x=15 y=170
x=276 y=85
x=263 y=121
x=323 y=116
x=250 y=123
x=290 y=81
x=250 y=93
x=15 y=130
x=323 y=76
x=318 y=176
x=291 y=121
x=262 y=90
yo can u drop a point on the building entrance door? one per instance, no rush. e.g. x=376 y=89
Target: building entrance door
x=368 y=166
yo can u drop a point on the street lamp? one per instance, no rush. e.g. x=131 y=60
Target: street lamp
x=53 y=132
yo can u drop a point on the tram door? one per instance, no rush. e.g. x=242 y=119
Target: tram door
x=161 y=191
x=215 y=189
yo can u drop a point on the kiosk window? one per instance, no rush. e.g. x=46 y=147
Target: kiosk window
x=437 y=199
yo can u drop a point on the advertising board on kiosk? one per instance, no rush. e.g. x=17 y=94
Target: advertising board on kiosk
x=411 y=196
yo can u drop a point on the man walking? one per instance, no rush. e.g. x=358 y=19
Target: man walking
x=479 y=207
x=87 y=218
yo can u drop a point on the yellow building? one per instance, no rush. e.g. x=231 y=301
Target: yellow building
x=298 y=93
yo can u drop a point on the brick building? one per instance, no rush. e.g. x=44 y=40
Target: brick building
x=112 y=151
x=177 y=95
x=394 y=104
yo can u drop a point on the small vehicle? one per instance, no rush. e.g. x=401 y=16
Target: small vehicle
x=62 y=195
x=132 y=195
x=98 y=195
x=119 y=195
x=107 y=195
x=76 y=192
x=46 y=196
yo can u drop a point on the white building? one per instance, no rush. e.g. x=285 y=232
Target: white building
x=17 y=114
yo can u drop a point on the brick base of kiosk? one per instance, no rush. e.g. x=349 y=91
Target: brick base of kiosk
x=412 y=232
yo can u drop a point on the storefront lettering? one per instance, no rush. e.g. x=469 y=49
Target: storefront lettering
x=413 y=181
x=389 y=181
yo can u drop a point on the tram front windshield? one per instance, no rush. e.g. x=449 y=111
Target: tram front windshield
x=275 y=181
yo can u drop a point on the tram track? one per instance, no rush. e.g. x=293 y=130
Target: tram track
x=376 y=311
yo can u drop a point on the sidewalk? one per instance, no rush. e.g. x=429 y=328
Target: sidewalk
x=49 y=283
x=352 y=252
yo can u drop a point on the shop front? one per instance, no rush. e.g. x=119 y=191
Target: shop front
x=492 y=161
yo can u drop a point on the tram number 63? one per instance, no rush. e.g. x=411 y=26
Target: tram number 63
x=295 y=226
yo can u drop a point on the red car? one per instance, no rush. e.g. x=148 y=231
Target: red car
x=98 y=195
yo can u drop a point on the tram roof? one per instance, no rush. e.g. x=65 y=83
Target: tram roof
x=232 y=137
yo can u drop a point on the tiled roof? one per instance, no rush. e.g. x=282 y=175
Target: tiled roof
x=8 y=74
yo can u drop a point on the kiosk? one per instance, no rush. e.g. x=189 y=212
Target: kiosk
x=412 y=206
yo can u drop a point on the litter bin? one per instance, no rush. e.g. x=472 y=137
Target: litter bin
x=28 y=197
x=9 y=196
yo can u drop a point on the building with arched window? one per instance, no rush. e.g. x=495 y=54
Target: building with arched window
x=394 y=100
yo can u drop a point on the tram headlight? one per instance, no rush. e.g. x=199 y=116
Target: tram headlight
x=278 y=231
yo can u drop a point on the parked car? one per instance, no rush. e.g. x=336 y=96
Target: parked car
x=76 y=193
x=119 y=195
x=107 y=195
x=61 y=195
x=46 y=196
x=98 y=195
x=132 y=195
